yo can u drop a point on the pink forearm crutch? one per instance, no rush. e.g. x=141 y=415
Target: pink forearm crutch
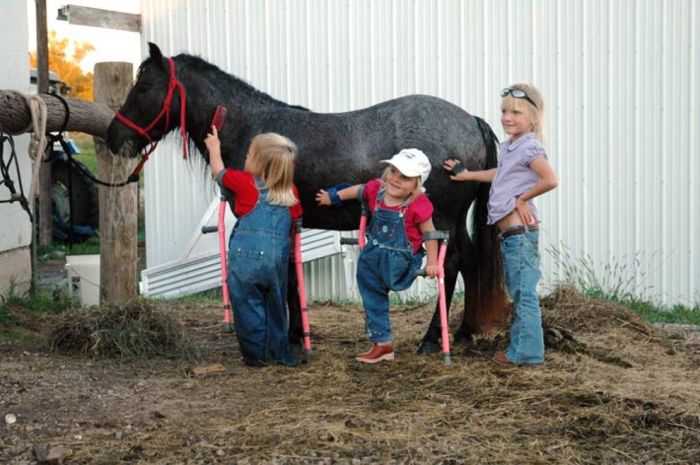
x=442 y=237
x=302 y=290
x=220 y=227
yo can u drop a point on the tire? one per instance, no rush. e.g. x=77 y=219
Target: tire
x=85 y=201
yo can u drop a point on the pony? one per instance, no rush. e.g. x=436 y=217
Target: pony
x=334 y=148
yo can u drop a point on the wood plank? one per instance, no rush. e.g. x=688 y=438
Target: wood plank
x=206 y=370
x=96 y=17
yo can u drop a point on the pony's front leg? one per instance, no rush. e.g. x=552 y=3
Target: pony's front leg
x=470 y=273
x=431 y=341
x=296 y=331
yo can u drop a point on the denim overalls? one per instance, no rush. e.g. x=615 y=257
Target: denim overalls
x=387 y=262
x=257 y=278
x=521 y=266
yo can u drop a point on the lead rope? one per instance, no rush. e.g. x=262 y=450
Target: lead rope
x=5 y=167
x=37 y=142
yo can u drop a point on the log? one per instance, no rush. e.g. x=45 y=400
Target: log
x=88 y=117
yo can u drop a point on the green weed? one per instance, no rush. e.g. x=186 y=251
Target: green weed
x=618 y=283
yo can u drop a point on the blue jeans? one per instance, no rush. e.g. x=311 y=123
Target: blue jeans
x=380 y=270
x=521 y=264
x=257 y=279
x=387 y=263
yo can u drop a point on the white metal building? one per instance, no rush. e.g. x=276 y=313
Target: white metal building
x=15 y=228
x=620 y=79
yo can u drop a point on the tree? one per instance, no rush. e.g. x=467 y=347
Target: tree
x=68 y=68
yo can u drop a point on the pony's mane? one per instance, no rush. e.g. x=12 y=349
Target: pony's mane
x=222 y=79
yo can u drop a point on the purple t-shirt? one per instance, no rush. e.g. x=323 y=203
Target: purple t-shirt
x=514 y=176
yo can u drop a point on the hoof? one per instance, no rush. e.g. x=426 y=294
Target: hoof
x=428 y=347
x=463 y=336
x=297 y=348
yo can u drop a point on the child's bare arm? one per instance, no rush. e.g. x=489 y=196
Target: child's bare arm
x=214 y=148
x=431 y=269
x=547 y=181
x=466 y=175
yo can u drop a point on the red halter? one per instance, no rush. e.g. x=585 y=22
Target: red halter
x=164 y=112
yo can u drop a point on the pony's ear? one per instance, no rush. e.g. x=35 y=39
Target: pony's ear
x=154 y=51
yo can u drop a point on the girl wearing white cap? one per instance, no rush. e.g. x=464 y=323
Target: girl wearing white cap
x=401 y=213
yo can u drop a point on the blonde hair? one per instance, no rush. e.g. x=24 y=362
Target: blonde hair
x=520 y=104
x=418 y=189
x=272 y=159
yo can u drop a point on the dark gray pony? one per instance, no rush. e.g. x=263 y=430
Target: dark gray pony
x=334 y=148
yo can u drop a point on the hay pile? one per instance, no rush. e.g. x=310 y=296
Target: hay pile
x=613 y=390
x=136 y=329
x=616 y=392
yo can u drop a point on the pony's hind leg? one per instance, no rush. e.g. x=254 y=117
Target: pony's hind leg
x=486 y=305
x=469 y=267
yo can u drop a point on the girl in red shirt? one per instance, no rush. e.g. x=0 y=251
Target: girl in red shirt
x=266 y=205
x=393 y=254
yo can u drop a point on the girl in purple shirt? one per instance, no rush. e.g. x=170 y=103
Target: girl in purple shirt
x=522 y=174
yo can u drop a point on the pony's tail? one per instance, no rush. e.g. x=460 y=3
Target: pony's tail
x=492 y=306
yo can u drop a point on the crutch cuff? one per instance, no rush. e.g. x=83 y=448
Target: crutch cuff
x=333 y=193
x=435 y=235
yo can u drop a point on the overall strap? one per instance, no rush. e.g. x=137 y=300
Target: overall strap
x=404 y=205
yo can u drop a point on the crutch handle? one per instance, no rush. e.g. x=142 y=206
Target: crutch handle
x=436 y=235
x=348 y=241
x=209 y=229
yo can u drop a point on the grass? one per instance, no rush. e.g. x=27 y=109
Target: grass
x=87 y=151
x=677 y=314
x=59 y=250
x=92 y=246
x=42 y=301
x=21 y=313
x=209 y=296
x=617 y=283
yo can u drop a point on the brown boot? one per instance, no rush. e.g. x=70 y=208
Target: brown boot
x=379 y=353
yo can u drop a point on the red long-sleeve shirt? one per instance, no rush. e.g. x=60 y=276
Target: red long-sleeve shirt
x=246 y=194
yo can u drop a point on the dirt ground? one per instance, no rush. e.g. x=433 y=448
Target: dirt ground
x=613 y=390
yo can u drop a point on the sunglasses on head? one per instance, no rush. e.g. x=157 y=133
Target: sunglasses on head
x=518 y=93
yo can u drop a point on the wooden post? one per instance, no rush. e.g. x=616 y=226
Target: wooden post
x=118 y=205
x=42 y=73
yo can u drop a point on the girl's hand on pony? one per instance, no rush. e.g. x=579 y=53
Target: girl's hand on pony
x=322 y=198
x=212 y=141
x=524 y=212
x=456 y=169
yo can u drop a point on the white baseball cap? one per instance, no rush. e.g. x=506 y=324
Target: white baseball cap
x=412 y=163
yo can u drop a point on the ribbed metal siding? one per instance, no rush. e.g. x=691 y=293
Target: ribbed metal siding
x=620 y=79
x=15 y=228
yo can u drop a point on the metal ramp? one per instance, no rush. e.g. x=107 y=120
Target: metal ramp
x=199 y=268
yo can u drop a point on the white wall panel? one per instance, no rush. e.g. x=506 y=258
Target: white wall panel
x=619 y=77
x=15 y=228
